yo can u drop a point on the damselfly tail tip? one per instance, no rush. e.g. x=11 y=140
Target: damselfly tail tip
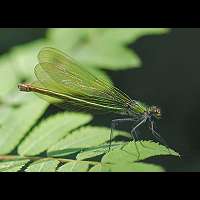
x=24 y=87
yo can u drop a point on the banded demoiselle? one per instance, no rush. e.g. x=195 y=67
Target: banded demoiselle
x=63 y=82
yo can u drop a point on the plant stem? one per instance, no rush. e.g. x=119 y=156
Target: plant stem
x=62 y=160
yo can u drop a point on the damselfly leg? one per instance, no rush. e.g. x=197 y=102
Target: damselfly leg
x=133 y=131
x=157 y=136
x=113 y=126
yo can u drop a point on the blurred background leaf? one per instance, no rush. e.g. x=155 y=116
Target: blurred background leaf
x=18 y=123
x=101 y=47
x=8 y=78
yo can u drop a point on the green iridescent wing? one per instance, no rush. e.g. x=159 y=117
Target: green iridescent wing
x=59 y=73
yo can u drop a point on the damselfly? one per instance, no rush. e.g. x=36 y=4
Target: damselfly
x=65 y=83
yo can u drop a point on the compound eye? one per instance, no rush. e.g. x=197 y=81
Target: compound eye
x=158 y=112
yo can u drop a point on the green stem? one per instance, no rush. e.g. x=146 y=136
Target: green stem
x=62 y=160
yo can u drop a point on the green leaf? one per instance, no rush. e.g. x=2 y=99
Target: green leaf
x=127 y=167
x=43 y=165
x=50 y=131
x=18 y=123
x=74 y=166
x=81 y=139
x=135 y=167
x=108 y=56
x=129 y=153
x=100 y=168
x=99 y=150
x=12 y=166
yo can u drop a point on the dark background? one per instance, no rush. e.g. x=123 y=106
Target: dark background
x=169 y=78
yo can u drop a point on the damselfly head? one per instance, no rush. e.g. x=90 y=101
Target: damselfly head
x=155 y=111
